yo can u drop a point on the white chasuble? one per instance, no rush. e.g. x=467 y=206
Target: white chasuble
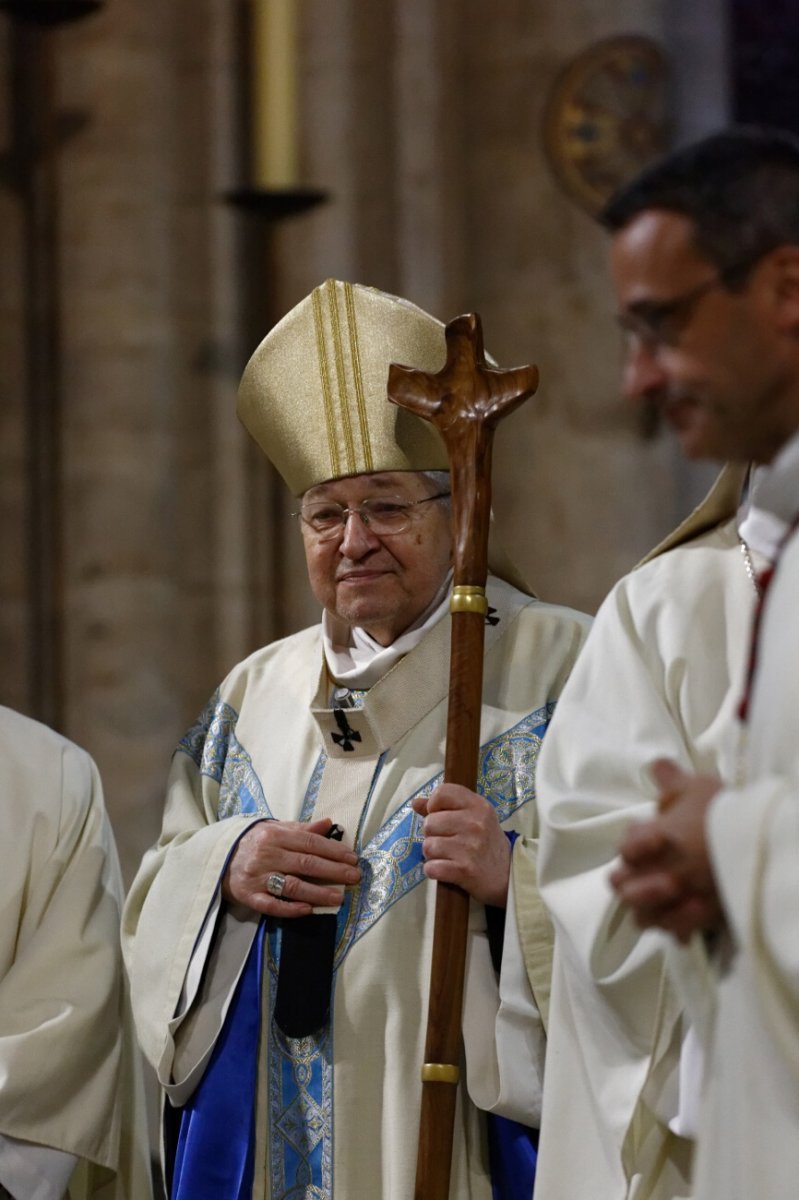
x=661 y=676
x=749 y=1120
x=70 y=1076
x=338 y=1111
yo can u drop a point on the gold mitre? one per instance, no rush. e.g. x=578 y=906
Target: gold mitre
x=313 y=395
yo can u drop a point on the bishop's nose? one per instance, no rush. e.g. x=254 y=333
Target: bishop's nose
x=358 y=539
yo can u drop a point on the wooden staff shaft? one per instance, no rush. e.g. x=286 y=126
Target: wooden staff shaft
x=465 y=400
x=447 y=969
x=471 y=505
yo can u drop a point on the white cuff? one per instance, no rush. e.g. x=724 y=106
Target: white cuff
x=33 y=1172
x=504 y=1039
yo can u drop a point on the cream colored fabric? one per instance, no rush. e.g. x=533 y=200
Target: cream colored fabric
x=34 y=1172
x=534 y=927
x=69 y=1072
x=274 y=708
x=505 y=1073
x=749 y=1122
x=314 y=397
x=661 y=675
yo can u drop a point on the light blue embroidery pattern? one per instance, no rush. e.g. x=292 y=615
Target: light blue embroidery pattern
x=309 y=803
x=392 y=863
x=193 y=743
x=300 y=1091
x=212 y=744
x=300 y=1082
x=300 y=1070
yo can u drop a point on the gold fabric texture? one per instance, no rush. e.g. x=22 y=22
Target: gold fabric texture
x=313 y=395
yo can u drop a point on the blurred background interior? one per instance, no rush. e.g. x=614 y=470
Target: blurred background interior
x=175 y=176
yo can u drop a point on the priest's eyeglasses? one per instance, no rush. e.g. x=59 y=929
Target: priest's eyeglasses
x=384 y=515
x=655 y=324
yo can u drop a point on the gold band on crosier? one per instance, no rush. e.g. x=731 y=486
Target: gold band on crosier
x=440 y=1073
x=468 y=598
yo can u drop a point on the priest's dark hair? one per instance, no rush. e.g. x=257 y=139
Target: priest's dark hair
x=739 y=188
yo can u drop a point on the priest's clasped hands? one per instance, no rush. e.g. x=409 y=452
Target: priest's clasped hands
x=666 y=875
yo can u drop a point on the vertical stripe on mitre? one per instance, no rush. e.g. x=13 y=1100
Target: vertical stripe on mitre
x=341 y=375
x=360 y=399
x=326 y=382
x=350 y=462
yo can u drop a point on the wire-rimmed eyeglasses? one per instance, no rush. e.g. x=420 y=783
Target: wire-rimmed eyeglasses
x=658 y=323
x=384 y=515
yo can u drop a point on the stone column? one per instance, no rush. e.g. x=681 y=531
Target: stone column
x=156 y=602
x=14 y=548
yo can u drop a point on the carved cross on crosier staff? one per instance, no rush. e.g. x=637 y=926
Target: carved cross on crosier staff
x=466 y=400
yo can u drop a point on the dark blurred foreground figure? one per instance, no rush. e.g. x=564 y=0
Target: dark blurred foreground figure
x=279 y=961
x=71 y=1101
x=705 y=260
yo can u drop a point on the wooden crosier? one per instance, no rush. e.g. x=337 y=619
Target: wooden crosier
x=466 y=400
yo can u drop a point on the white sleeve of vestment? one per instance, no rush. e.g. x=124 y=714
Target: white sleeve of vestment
x=194 y=971
x=753 y=830
x=201 y=951
x=504 y=1072
x=32 y=1172
x=166 y=926
x=66 y=1064
x=691 y=1071
x=196 y=1029
x=613 y=719
x=214 y=969
x=754 y=845
x=614 y=1019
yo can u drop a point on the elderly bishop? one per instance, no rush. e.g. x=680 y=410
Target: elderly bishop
x=278 y=936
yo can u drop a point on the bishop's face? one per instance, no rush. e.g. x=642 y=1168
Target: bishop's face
x=379 y=581
x=720 y=364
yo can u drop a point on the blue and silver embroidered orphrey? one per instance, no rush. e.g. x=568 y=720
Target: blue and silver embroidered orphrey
x=299 y=1083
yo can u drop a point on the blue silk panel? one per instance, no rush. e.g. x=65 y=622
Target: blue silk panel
x=214 y=1156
